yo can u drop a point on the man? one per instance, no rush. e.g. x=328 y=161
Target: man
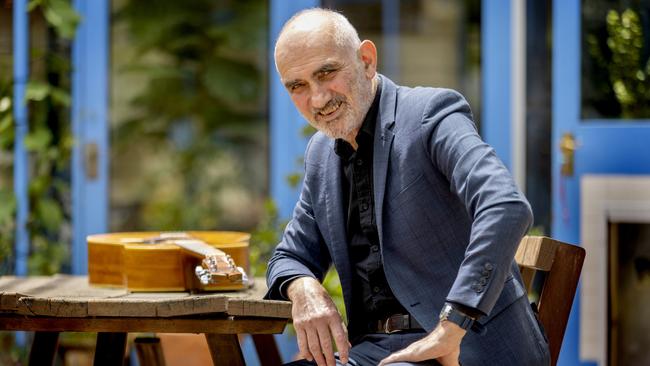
x=417 y=214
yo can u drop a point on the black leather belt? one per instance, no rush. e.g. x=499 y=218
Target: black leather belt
x=395 y=323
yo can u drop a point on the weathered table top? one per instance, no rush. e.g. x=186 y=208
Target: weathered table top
x=84 y=307
x=61 y=303
x=71 y=296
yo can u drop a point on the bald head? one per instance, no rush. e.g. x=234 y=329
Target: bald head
x=317 y=27
x=329 y=73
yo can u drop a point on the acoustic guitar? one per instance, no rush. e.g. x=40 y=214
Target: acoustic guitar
x=170 y=261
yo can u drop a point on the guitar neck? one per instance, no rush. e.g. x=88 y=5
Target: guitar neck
x=197 y=248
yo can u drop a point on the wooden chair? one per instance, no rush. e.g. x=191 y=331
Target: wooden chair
x=561 y=264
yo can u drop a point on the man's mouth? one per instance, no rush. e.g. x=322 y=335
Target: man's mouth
x=330 y=109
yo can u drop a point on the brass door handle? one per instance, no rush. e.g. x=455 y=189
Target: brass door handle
x=567 y=148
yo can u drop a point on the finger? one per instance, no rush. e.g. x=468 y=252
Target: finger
x=340 y=335
x=303 y=345
x=314 y=346
x=396 y=357
x=326 y=345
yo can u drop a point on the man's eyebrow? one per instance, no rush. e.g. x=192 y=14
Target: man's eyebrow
x=289 y=84
x=330 y=66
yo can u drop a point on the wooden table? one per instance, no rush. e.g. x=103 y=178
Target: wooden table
x=63 y=303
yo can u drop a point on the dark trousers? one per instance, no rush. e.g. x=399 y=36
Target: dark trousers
x=373 y=348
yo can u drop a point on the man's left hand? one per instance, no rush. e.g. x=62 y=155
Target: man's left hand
x=443 y=344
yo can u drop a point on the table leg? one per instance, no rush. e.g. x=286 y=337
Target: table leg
x=267 y=350
x=43 y=348
x=110 y=349
x=224 y=349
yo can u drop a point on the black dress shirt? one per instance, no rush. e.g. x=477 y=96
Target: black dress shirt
x=372 y=298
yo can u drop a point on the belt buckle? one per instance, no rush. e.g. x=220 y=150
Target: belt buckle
x=388 y=329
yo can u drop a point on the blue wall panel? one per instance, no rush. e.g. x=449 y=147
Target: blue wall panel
x=90 y=127
x=496 y=83
x=287 y=144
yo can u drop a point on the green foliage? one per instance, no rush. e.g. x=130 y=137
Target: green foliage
x=265 y=237
x=622 y=66
x=48 y=142
x=192 y=144
x=59 y=14
x=627 y=71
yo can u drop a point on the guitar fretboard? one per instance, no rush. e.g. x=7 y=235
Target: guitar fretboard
x=186 y=242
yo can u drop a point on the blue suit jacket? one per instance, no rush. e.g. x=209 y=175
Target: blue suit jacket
x=449 y=216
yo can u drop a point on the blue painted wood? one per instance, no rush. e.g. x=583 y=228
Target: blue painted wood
x=496 y=84
x=90 y=126
x=604 y=147
x=390 y=50
x=21 y=161
x=287 y=143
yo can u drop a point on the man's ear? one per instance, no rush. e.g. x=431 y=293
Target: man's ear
x=368 y=55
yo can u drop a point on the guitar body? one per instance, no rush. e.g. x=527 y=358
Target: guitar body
x=114 y=260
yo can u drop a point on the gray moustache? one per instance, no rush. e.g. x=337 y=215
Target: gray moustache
x=331 y=103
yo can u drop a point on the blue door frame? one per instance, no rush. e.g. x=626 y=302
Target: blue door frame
x=604 y=147
x=90 y=128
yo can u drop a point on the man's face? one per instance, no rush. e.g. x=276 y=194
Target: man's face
x=331 y=87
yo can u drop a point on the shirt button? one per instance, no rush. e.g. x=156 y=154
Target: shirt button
x=359 y=162
x=375 y=289
x=364 y=206
x=488 y=266
x=375 y=248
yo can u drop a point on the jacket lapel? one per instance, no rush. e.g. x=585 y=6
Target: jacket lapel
x=382 y=147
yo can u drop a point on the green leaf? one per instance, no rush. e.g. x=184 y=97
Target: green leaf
x=8 y=206
x=6 y=122
x=5 y=104
x=49 y=213
x=61 y=97
x=33 y=4
x=37 y=91
x=233 y=82
x=61 y=15
x=38 y=140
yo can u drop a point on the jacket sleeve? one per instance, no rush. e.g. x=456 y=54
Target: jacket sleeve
x=499 y=212
x=301 y=251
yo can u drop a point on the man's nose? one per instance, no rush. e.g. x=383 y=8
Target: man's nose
x=320 y=97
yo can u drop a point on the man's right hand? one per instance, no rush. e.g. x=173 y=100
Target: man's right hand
x=317 y=320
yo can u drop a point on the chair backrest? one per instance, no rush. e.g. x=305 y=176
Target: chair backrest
x=562 y=263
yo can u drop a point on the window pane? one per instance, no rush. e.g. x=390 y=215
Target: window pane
x=188 y=114
x=616 y=59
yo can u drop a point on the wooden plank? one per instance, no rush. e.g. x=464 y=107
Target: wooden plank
x=13 y=288
x=225 y=349
x=229 y=325
x=71 y=296
x=527 y=275
x=536 y=252
x=265 y=308
x=60 y=307
x=558 y=294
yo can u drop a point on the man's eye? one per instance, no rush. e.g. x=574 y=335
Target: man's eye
x=296 y=87
x=327 y=73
